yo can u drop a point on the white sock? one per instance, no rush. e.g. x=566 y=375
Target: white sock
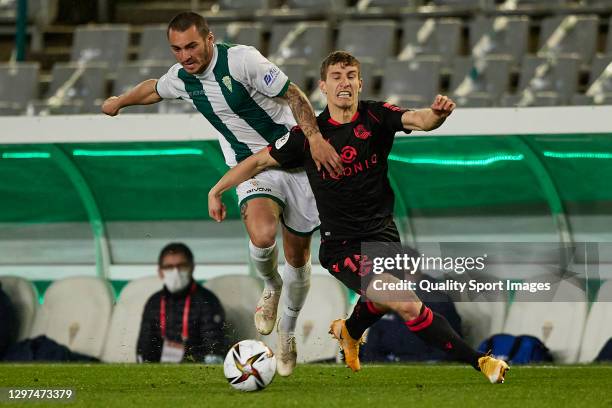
x=265 y=261
x=296 y=283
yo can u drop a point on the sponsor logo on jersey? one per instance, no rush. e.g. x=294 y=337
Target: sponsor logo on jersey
x=227 y=81
x=352 y=167
x=348 y=154
x=361 y=132
x=271 y=76
x=199 y=92
x=281 y=142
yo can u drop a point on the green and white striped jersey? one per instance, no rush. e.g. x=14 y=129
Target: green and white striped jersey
x=237 y=94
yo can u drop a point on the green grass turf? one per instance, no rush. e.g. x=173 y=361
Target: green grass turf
x=318 y=386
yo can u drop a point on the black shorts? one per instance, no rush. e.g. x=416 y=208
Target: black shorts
x=350 y=261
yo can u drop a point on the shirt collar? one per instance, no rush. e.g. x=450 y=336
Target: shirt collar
x=325 y=115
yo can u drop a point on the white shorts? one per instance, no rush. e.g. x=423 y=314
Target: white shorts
x=291 y=190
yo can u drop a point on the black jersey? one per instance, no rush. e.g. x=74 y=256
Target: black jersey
x=360 y=201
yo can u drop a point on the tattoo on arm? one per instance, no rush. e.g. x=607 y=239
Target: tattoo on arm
x=243 y=210
x=302 y=110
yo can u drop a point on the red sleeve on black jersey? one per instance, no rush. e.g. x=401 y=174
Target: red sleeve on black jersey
x=289 y=151
x=388 y=115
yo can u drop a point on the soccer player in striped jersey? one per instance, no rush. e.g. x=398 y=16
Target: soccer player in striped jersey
x=252 y=104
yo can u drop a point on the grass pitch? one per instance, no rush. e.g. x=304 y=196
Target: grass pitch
x=389 y=386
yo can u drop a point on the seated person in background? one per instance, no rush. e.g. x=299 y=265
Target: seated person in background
x=8 y=322
x=387 y=340
x=183 y=321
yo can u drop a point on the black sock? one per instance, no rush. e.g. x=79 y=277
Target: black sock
x=434 y=329
x=364 y=315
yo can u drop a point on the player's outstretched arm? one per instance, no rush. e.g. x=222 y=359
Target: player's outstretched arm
x=142 y=94
x=322 y=152
x=234 y=176
x=429 y=119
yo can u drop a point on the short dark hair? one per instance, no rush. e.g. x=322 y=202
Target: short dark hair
x=339 y=57
x=175 y=248
x=185 y=20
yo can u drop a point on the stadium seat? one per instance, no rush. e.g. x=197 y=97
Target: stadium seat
x=41 y=12
x=76 y=313
x=82 y=87
x=101 y=43
x=492 y=81
x=239 y=5
x=528 y=5
x=475 y=100
x=603 y=3
x=320 y=5
x=367 y=69
x=598 y=329
x=130 y=74
x=457 y=4
x=561 y=77
x=239 y=295
x=297 y=71
x=120 y=345
x=609 y=38
x=326 y=301
x=510 y=38
x=598 y=66
x=540 y=99
x=304 y=40
x=374 y=39
x=582 y=100
x=238 y=33
x=407 y=101
x=154 y=44
x=580 y=40
x=431 y=37
x=415 y=80
x=18 y=85
x=604 y=95
x=24 y=298
x=558 y=322
x=385 y=4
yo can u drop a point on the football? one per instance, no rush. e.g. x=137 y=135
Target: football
x=249 y=365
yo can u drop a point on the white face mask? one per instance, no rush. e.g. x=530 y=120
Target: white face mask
x=176 y=280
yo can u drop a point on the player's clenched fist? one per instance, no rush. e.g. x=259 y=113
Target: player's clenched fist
x=443 y=106
x=111 y=106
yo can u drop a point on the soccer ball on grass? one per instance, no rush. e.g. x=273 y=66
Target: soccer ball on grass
x=249 y=365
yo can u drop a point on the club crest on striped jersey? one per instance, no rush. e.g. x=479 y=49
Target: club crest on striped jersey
x=227 y=81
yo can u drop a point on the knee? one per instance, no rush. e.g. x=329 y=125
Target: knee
x=297 y=257
x=297 y=250
x=263 y=235
x=408 y=310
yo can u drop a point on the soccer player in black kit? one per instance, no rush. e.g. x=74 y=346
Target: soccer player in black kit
x=357 y=206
